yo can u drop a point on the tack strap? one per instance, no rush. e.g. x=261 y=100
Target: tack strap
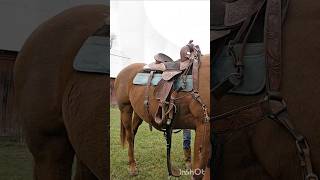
x=278 y=109
x=273 y=39
x=195 y=67
x=146 y=98
x=279 y=113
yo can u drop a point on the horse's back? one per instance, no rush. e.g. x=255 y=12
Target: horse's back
x=44 y=64
x=123 y=82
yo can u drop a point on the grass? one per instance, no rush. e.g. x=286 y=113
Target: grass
x=15 y=160
x=150 y=152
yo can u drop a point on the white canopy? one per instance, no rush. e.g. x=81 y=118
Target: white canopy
x=140 y=29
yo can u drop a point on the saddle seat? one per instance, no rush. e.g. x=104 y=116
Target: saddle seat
x=165 y=65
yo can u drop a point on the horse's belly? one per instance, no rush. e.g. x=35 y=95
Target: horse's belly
x=184 y=117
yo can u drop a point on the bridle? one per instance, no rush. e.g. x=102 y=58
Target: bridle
x=272 y=106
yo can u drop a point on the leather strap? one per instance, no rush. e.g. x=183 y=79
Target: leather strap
x=163 y=90
x=195 y=58
x=278 y=109
x=273 y=105
x=273 y=31
x=195 y=75
x=146 y=98
x=279 y=113
x=240 y=118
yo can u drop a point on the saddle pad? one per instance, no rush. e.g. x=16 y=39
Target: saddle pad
x=93 y=56
x=254 y=69
x=142 y=79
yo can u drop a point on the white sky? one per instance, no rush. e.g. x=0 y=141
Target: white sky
x=144 y=28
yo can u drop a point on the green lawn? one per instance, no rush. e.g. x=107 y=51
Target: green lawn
x=15 y=160
x=150 y=152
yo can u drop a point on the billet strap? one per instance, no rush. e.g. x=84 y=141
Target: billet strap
x=172 y=110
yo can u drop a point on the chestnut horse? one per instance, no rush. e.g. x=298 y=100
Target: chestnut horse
x=61 y=117
x=190 y=114
x=265 y=150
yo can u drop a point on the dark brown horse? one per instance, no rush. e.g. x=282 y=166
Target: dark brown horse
x=190 y=115
x=265 y=150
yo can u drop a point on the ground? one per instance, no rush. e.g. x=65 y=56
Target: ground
x=15 y=160
x=150 y=151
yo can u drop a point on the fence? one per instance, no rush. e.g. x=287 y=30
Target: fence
x=8 y=125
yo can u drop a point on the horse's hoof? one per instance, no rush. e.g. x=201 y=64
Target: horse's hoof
x=133 y=170
x=135 y=173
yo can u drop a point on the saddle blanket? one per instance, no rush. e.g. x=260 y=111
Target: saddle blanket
x=254 y=70
x=142 y=79
x=93 y=56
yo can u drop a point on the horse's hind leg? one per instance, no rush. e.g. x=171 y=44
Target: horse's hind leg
x=136 y=122
x=83 y=173
x=52 y=152
x=127 y=134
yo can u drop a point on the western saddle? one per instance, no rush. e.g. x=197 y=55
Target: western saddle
x=236 y=23
x=171 y=71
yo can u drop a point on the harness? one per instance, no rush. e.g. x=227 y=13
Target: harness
x=272 y=106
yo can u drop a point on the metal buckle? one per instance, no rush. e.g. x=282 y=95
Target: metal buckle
x=302 y=145
x=278 y=98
